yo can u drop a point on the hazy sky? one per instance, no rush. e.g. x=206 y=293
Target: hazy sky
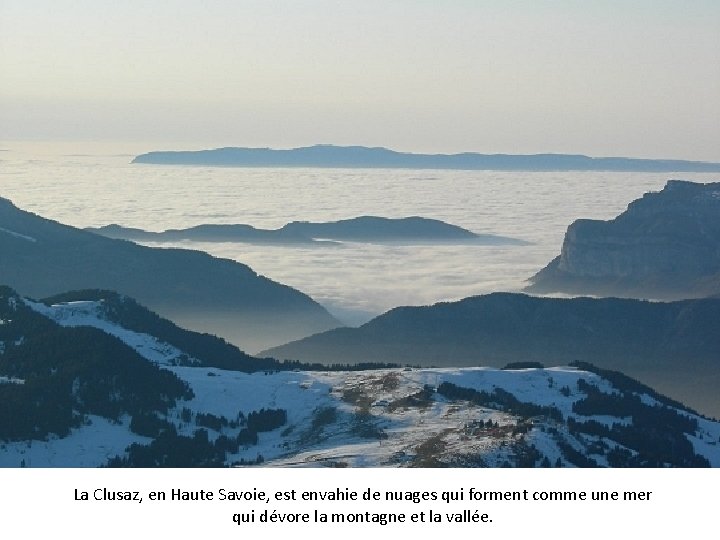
x=625 y=77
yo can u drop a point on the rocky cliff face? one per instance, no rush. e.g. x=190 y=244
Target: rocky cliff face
x=665 y=245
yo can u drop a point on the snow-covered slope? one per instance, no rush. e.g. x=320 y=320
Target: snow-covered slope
x=562 y=416
x=373 y=423
x=93 y=314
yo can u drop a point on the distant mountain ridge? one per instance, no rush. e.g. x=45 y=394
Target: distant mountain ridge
x=674 y=347
x=326 y=155
x=371 y=229
x=40 y=257
x=666 y=245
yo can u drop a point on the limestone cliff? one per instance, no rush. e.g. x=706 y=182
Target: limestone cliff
x=665 y=245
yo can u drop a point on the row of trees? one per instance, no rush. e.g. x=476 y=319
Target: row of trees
x=654 y=437
x=500 y=399
x=72 y=372
x=169 y=449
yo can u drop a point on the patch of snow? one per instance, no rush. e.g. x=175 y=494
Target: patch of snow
x=90 y=445
x=91 y=313
x=18 y=235
x=706 y=440
x=407 y=428
x=546 y=445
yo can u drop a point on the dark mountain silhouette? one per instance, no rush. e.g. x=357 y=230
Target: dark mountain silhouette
x=206 y=233
x=325 y=155
x=370 y=229
x=666 y=245
x=39 y=257
x=674 y=347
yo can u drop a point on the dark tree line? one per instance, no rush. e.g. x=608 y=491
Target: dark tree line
x=70 y=373
x=169 y=449
x=500 y=399
x=173 y=450
x=655 y=435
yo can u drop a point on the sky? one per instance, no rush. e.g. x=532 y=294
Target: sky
x=634 y=78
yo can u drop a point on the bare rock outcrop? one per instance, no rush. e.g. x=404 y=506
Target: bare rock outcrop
x=666 y=245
